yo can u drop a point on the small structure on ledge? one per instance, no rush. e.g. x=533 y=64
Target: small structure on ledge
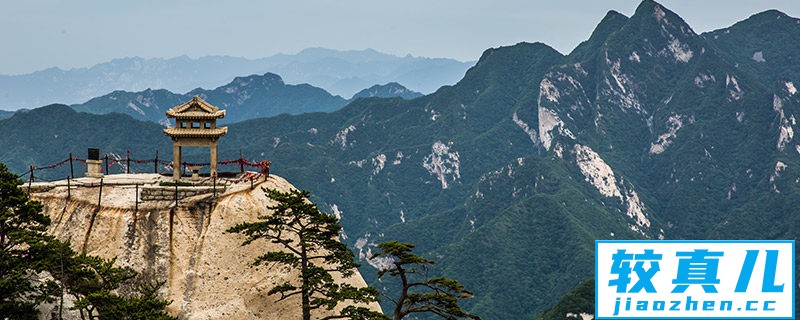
x=195 y=126
x=94 y=167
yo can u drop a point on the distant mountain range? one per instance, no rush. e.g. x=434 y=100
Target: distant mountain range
x=6 y=114
x=389 y=90
x=341 y=73
x=646 y=130
x=256 y=96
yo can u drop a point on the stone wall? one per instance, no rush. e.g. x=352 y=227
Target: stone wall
x=157 y=193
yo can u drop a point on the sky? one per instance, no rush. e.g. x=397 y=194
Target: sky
x=35 y=35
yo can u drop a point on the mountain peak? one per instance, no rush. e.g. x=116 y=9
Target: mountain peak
x=770 y=14
x=662 y=15
x=766 y=19
x=51 y=109
x=655 y=31
x=526 y=47
x=389 y=90
x=766 y=43
x=267 y=78
x=612 y=22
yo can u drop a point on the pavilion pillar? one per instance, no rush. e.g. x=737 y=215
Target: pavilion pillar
x=213 y=147
x=176 y=161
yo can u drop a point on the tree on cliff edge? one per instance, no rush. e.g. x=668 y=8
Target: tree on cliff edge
x=22 y=234
x=311 y=242
x=419 y=293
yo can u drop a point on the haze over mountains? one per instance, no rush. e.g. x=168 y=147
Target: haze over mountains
x=341 y=73
x=645 y=130
x=251 y=97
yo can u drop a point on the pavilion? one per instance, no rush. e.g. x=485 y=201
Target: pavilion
x=195 y=126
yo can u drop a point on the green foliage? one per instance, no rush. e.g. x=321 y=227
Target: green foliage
x=144 y=304
x=420 y=293
x=26 y=250
x=579 y=300
x=95 y=283
x=771 y=33
x=91 y=280
x=310 y=238
x=22 y=235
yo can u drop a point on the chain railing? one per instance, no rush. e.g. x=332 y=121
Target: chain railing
x=110 y=159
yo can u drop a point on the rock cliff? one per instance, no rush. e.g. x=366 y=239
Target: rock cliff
x=207 y=271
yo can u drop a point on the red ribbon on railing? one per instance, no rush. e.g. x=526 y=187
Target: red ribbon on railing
x=230 y=161
x=51 y=166
x=262 y=165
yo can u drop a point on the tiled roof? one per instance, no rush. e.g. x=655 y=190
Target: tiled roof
x=196 y=114
x=187 y=132
x=202 y=106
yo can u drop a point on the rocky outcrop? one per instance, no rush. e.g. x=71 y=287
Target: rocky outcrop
x=207 y=272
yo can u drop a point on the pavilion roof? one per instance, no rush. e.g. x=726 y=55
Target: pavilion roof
x=195 y=132
x=197 y=114
x=196 y=109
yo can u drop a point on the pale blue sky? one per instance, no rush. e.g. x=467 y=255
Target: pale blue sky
x=44 y=33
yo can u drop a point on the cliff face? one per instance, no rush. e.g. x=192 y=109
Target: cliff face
x=207 y=271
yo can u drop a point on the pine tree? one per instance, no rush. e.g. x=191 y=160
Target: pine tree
x=311 y=242
x=28 y=254
x=95 y=284
x=22 y=232
x=145 y=303
x=420 y=294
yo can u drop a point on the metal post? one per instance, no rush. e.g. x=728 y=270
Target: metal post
x=155 y=164
x=30 y=181
x=128 y=162
x=71 y=172
x=106 y=163
x=69 y=192
x=241 y=162
x=176 y=194
x=214 y=178
x=100 y=197
x=136 y=201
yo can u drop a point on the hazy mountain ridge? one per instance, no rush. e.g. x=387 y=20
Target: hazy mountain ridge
x=389 y=90
x=6 y=114
x=250 y=97
x=645 y=130
x=339 y=72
